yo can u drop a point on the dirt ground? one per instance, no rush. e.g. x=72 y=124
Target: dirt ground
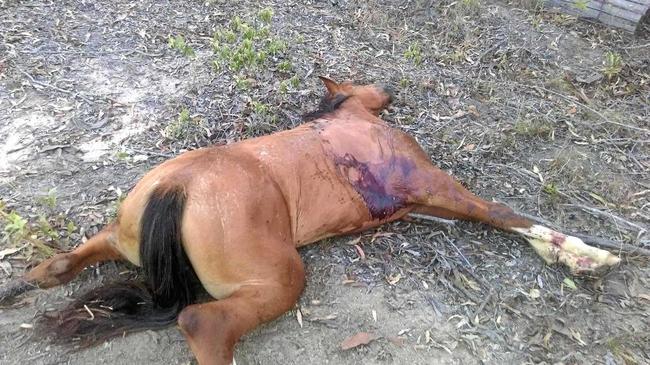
x=538 y=110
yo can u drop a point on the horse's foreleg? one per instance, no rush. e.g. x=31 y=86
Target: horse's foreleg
x=63 y=267
x=212 y=329
x=436 y=193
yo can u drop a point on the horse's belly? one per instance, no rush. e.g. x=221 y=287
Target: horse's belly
x=328 y=214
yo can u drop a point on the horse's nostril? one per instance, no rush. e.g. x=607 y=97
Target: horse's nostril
x=390 y=91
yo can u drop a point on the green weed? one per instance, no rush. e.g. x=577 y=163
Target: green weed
x=265 y=15
x=34 y=235
x=613 y=64
x=179 y=44
x=551 y=189
x=49 y=200
x=260 y=108
x=244 y=46
x=183 y=126
x=580 y=4
x=275 y=46
x=122 y=155
x=294 y=81
x=15 y=225
x=46 y=228
x=285 y=66
x=242 y=83
x=414 y=53
x=284 y=87
x=533 y=128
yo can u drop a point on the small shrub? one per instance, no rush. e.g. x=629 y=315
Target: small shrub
x=243 y=46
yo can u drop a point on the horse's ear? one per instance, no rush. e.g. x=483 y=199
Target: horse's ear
x=331 y=85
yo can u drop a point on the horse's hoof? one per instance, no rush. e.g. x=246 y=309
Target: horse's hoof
x=579 y=257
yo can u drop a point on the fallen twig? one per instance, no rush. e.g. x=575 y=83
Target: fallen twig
x=607 y=214
x=595 y=241
x=432 y=218
x=475 y=318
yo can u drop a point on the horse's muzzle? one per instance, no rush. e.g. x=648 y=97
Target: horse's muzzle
x=389 y=90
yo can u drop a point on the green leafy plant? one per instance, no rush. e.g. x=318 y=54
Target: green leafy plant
x=49 y=200
x=285 y=66
x=243 y=46
x=294 y=81
x=414 y=53
x=265 y=15
x=284 y=87
x=236 y=23
x=580 y=4
x=19 y=231
x=275 y=46
x=613 y=64
x=182 y=127
x=242 y=83
x=46 y=228
x=15 y=225
x=179 y=44
x=260 y=108
x=551 y=189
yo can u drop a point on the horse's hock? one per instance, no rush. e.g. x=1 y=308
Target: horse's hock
x=629 y=15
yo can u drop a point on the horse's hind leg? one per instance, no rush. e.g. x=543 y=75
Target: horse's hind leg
x=438 y=194
x=212 y=329
x=63 y=267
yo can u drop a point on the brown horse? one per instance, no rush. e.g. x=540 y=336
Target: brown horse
x=233 y=217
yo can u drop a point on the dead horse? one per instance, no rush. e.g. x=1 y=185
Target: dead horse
x=233 y=216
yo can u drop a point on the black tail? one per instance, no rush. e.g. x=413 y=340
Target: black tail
x=116 y=309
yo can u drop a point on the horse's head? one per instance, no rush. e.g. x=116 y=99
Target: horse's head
x=373 y=98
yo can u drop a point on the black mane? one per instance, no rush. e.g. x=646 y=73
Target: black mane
x=328 y=104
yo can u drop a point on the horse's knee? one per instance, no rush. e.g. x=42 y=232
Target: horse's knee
x=188 y=320
x=208 y=332
x=198 y=319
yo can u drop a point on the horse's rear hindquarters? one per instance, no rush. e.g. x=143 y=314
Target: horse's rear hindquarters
x=236 y=229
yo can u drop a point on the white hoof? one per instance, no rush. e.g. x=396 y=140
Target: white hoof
x=555 y=247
